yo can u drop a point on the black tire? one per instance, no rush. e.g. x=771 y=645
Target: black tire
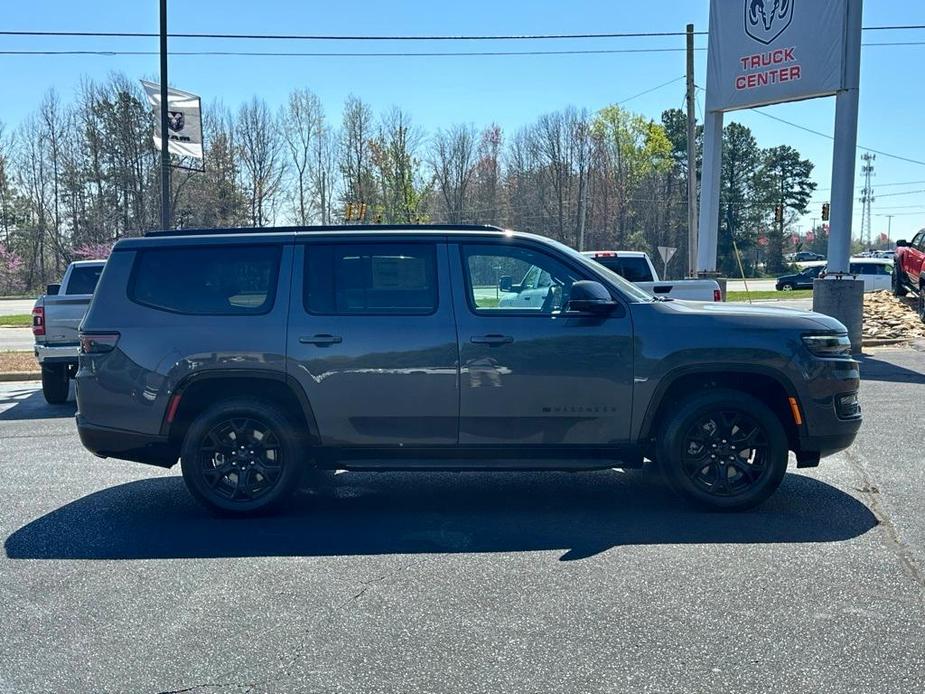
x=921 y=302
x=695 y=454
x=898 y=288
x=242 y=439
x=787 y=287
x=55 y=383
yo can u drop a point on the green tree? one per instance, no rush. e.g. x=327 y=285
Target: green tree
x=786 y=180
x=741 y=209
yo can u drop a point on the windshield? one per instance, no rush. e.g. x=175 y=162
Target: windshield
x=628 y=289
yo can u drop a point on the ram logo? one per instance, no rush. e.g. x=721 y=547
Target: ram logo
x=765 y=20
x=175 y=120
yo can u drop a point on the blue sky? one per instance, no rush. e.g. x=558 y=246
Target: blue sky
x=508 y=90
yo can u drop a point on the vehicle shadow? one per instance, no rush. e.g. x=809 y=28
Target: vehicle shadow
x=886 y=369
x=368 y=514
x=23 y=403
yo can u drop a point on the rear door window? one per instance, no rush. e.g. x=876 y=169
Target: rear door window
x=370 y=279
x=83 y=279
x=207 y=280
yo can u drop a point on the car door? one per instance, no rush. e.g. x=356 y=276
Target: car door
x=915 y=261
x=538 y=375
x=372 y=341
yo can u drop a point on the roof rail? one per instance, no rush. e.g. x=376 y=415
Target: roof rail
x=372 y=228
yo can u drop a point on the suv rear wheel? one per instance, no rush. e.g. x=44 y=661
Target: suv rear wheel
x=55 y=383
x=241 y=457
x=723 y=450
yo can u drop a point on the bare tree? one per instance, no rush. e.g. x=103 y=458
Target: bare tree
x=261 y=153
x=301 y=120
x=356 y=161
x=451 y=158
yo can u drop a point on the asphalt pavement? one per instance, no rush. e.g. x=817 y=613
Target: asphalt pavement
x=15 y=339
x=114 y=580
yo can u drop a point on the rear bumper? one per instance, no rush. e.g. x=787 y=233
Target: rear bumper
x=126 y=445
x=57 y=354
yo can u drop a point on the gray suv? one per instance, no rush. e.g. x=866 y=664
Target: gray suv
x=258 y=356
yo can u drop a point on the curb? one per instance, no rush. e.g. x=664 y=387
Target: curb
x=21 y=376
x=877 y=342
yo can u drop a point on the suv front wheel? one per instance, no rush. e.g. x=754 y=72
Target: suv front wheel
x=723 y=450
x=241 y=457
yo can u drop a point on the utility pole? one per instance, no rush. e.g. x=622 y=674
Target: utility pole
x=165 y=152
x=889 y=228
x=691 y=159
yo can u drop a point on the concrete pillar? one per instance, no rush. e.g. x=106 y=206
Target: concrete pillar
x=708 y=227
x=843 y=300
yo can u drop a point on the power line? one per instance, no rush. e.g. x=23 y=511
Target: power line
x=362 y=54
x=395 y=37
x=830 y=137
x=649 y=91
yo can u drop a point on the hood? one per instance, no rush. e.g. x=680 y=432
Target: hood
x=760 y=316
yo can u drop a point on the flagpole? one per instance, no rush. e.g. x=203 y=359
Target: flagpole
x=165 y=153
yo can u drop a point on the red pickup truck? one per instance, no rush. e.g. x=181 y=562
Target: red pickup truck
x=909 y=269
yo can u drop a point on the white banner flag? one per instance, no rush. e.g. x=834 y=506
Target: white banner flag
x=184 y=120
x=769 y=51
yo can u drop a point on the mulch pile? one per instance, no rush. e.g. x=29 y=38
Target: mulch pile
x=887 y=317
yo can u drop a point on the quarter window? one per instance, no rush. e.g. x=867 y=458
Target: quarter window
x=370 y=279
x=207 y=280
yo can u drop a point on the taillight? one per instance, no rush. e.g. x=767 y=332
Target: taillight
x=98 y=343
x=38 y=320
x=717 y=295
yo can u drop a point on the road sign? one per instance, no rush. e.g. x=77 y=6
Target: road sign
x=667 y=253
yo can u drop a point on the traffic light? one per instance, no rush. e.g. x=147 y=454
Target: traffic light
x=779 y=214
x=825 y=212
x=362 y=213
x=348 y=216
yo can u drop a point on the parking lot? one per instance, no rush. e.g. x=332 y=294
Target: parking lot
x=113 y=579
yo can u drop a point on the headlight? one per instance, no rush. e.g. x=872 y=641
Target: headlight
x=828 y=345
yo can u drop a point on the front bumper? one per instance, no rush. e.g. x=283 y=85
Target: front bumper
x=825 y=431
x=126 y=445
x=57 y=354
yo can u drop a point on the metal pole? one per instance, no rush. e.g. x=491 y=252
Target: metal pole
x=691 y=158
x=165 y=152
x=845 y=149
x=709 y=188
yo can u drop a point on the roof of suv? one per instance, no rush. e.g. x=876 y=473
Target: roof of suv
x=368 y=228
x=249 y=234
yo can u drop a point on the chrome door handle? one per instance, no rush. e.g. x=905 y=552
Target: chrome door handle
x=321 y=340
x=491 y=339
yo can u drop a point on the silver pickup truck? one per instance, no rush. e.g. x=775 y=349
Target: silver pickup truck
x=55 y=319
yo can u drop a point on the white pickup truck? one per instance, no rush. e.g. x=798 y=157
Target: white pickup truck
x=55 y=319
x=636 y=267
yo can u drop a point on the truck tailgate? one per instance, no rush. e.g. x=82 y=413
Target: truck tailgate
x=63 y=315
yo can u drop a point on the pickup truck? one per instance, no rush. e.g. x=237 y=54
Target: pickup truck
x=55 y=319
x=909 y=269
x=636 y=267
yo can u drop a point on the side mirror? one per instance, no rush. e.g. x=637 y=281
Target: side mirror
x=587 y=296
x=52 y=289
x=902 y=243
x=506 y=283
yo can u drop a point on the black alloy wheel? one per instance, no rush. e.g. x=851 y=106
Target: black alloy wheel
x=725 y=453
x=723 y=449
x=242 y=457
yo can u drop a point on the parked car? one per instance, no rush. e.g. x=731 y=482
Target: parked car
x=877 y=273
x=909 y=269
x=255 y=356
x=801 y=280
x=804 y=257
x=55 y=318
x=637 y=267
